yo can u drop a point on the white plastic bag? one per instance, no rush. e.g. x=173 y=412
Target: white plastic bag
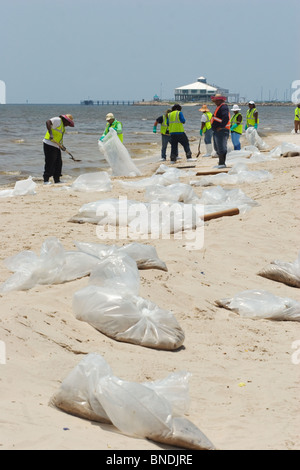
x=98 y=181
x=53 y=266
x=117 y=271
x=281 y=271
x=259 y=304
x=125 y=317
x=217 y=199
x=141 y=410
x=21 y=188
x=117 y=156
x=254 y=139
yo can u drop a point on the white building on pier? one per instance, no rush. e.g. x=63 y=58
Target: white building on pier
x=200 y=91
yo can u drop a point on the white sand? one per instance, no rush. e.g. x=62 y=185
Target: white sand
x=244 y=387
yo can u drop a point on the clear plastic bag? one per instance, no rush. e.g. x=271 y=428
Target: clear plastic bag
x=141 y=410
x=117 y=156
x=53 y=266
x=258 y=304
x=285 y=272
x=21 y=188
x=98 y=181
x=126 y=317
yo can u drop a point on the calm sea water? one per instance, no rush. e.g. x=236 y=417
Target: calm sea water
x=22 y=129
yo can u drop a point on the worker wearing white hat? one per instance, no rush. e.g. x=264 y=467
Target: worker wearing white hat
x=113 y=123
x=236 y=127
x=252 y=116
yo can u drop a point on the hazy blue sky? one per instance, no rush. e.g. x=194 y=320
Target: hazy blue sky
x=63 y=51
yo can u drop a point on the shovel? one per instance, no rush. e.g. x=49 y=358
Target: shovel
x=65 y=150
x=199 y=148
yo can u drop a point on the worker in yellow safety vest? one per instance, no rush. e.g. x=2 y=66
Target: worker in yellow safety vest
x=297 y=118
x=164 y=131
x=113 y=123
x=53 y=144
x=206 y=129
x=175 y=121
x=252 y=116
x=236 y=127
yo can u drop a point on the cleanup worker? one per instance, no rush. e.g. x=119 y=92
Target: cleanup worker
x=252 y=116
x=165 y=135
x=297 y=119
x=53 y=144
x=206 y=129
x=114 y=124
x=220 y=123
x=236 y=128
x=175 y=121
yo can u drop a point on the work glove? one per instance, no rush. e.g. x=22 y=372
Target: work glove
x=101 y=138
x=255 y=126
x=154 y=129
x=246 y=127
x=201 y=132
x=233 y=127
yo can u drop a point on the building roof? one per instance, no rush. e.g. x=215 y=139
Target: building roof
x=198 y=85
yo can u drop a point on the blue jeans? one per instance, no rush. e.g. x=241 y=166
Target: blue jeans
x=165 y=140
x=208 y=136
x=220 y=143
x=235 y=137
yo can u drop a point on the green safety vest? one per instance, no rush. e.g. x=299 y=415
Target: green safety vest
x=233 y=120
x=58 y=133
x=117 y=126
x=175 y=125
x=297 y=114
x=207 y=125
x=164 y=125
x=250 y=117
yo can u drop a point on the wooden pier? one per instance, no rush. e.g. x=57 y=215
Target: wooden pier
x=107 y=102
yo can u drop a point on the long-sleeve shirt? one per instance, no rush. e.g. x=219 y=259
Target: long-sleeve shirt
x=223 y=114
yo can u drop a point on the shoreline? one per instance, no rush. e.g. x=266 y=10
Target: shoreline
x=272 y=138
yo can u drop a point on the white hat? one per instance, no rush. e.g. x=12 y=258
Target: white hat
x=109 y=116
x=251 y=102
x=235 y=108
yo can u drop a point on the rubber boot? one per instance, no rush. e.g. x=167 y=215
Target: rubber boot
x=209 y=149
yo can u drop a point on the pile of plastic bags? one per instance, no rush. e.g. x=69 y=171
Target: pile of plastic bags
x=55 y=265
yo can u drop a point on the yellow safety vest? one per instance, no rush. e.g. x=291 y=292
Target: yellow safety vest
x=57 y=132
x=250 y=117
x=297 y=114
x=175 y=125
x=117 y=126
x=233 y=120
x=164 y=126
x=207 y=125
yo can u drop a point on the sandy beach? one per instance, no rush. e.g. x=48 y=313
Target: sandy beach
x=244 y=385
